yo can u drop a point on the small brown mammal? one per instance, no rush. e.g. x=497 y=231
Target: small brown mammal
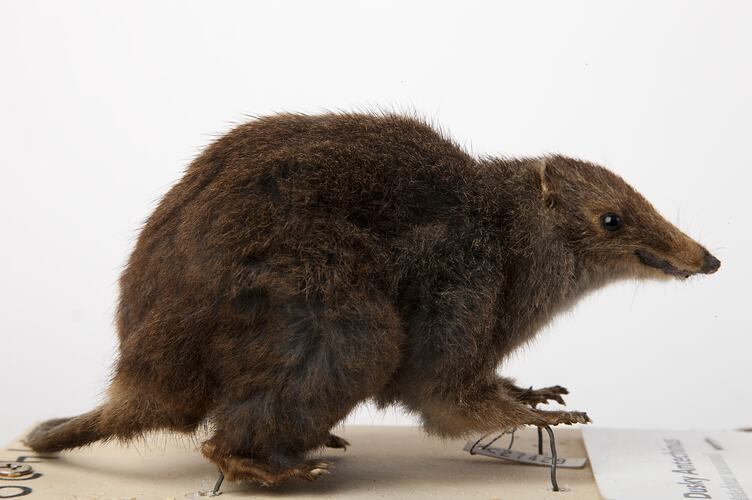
x=304 y=264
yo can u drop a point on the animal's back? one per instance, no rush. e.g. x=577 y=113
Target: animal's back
x=269 y=187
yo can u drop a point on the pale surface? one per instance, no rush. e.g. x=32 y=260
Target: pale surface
x=673 y=463
x=383 y=462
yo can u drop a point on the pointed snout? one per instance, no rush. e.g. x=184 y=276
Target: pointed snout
x=685 y=257
x=710 y=264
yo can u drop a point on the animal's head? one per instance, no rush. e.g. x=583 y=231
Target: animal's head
x=612 y=229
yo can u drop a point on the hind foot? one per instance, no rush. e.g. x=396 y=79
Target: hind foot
x=337 y=442
x=237 y=468
x=247 y=469
x=534 y=397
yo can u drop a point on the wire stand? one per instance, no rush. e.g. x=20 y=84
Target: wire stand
x=540 y=441
x=551 y=439
x=215 y=492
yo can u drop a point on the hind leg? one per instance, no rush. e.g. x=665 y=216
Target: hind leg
x=265 y=439
x=330 y=358
x=263 y=470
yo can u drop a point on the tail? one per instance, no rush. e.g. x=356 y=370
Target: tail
x=63 y=433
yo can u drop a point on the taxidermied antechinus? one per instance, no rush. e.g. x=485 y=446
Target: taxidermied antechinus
x=305 y=264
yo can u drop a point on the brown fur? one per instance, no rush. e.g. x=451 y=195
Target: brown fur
x=304 y=264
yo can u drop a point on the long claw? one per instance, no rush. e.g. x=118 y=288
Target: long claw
x=337 y=442
x=560 y=417
x=544 y=395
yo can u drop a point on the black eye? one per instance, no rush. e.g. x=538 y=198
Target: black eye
x=611 y=221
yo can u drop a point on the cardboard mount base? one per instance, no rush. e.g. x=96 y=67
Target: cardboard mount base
x=382 y=462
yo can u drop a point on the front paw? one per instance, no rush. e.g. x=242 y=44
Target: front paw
x=543 y=418
x=534 y=397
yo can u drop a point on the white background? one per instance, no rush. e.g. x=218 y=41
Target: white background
x=103 y=104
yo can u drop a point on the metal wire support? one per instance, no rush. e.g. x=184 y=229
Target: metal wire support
x=215 y=492
x=554 y=483
x=511 y=441
x=540 y=441
x=472 y=448
x=551 y=439
x=540 y=432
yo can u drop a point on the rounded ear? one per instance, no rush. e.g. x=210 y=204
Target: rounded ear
x=548 y=196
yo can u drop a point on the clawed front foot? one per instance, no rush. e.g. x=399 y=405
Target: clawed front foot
x=543 y=418
x=534 y=397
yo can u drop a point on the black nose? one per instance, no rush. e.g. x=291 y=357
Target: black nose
x=710 y=264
